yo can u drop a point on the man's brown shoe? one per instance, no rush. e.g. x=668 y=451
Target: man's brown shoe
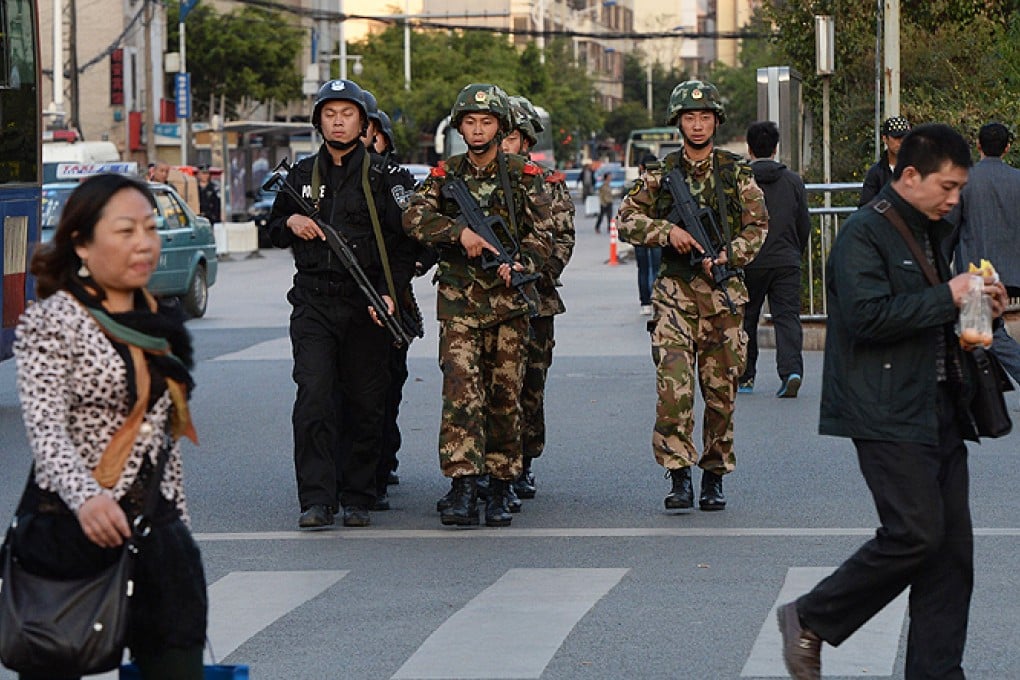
x=802 y=649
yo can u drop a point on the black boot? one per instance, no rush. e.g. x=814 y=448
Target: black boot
x=463 y=510
x=446 y=501
x=513 y=501
x=524 y=485
x=712 y=497
x=483 y=486
x=681 y=496
x=497 y=514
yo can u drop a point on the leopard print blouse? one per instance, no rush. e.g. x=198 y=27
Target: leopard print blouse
x=73 y=389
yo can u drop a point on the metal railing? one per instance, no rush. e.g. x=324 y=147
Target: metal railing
x=835 y=202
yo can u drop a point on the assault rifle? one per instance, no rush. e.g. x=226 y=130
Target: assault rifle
x=485 y=226
x=338 y=244
x=693 y=218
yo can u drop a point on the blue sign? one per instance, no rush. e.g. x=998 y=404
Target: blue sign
x=182 y=86
x=186 y=7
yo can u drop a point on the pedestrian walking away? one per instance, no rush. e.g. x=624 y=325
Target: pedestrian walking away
x=648 y=258
x=341 y=350
x=896 y=382
x=104 y=380
x=697 y=327
x=988 y=227
x=893 y=131
x=776 y=273
x=483 y=315
x=605 y=202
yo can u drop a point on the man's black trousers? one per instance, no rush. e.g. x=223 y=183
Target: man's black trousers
x=341 y=362
x=925 y=542
x=782 y=286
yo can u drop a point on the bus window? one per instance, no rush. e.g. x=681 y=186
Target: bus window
x=656 y=141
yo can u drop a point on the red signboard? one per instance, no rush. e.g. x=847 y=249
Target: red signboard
x=117 y=78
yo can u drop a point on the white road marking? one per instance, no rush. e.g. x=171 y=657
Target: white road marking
x=871 y=651
x=242 y=603
x=565 y=532
x=495 y=636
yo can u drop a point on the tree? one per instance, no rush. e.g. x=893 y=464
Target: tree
x=247 y=56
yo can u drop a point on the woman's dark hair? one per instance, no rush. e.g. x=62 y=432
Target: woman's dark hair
x=55 y=263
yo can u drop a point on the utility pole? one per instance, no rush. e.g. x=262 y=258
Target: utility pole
x=892 y=58
x=149 y=118
x=72 y=63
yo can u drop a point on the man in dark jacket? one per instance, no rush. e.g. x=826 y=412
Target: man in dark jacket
x=341 y=352
x=775 y=272
x=988 y=222
x=893 y=130
x=895 y=381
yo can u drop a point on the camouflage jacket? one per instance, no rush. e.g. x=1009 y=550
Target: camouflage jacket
x=642 y=218
x=550 y=302
x=467 y=292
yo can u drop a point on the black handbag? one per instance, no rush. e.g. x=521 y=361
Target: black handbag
x=988 y=407
x=69 y=627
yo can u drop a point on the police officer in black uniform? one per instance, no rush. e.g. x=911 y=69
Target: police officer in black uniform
x=208 y=195
x=341 y=353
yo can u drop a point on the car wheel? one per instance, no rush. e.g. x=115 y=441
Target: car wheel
x=197 y=297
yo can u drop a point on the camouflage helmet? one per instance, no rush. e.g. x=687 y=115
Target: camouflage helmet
x=339 y=90
x=529 y=108
x=522 y=120
x=482 y=98
x=694 y=95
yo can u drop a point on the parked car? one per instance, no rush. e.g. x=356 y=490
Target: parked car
x=187 y=259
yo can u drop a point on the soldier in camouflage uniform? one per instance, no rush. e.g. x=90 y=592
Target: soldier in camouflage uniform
x=526 y=126
x=693 y=328
x=483 y=321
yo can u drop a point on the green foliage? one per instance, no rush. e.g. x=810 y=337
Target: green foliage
x=246 y=55
x=959 y=62
x=443 y=62
x=626 y=117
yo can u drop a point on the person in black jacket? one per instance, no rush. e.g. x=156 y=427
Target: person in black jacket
x=775 y=272
x=893 y=130
x=341 y=351
x=208 y=195
x=896 y=382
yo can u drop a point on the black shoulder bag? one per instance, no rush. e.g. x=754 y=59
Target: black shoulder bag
x=71 y=627
x=988 y=406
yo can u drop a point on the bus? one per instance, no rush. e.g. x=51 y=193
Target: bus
x=450 y=143
x=655 y=141
x=20 y=154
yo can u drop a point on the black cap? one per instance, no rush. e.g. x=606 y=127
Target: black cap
x=204 y=167
x=897 y=126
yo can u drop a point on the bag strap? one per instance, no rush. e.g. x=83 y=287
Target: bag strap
x=886 y=209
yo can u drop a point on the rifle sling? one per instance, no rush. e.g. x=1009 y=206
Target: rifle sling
x=377 y=228
x=504 y=181
x=720 y=197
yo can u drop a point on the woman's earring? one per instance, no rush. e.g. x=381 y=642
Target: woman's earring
x=83 y=270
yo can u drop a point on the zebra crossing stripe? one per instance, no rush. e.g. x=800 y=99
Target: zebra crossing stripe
x=529 y=636
x=242 y=603
x=871 y=651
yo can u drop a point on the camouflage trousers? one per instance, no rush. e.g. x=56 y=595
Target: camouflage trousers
x=483 y=370
x=539 y=359
x=695 y=331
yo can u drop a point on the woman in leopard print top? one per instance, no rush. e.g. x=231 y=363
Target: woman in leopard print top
x=103 y=380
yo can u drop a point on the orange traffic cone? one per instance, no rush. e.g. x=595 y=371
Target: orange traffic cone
x=612 y=243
